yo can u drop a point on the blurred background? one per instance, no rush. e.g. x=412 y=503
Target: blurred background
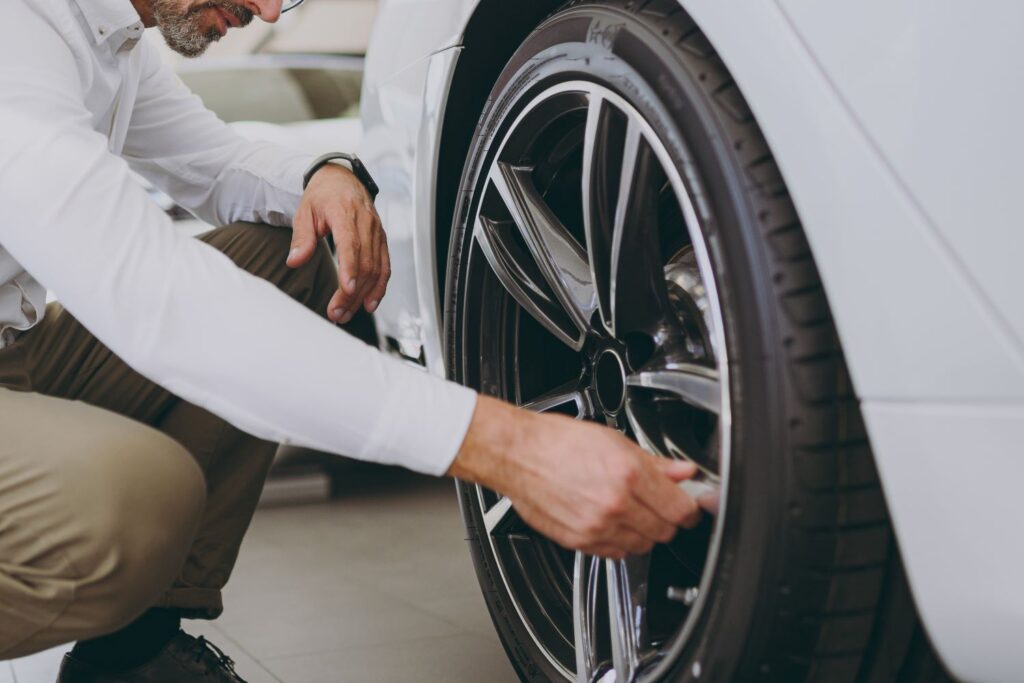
x=350 y=571
x=296 y=82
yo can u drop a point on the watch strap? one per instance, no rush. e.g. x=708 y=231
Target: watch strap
x=358 y=168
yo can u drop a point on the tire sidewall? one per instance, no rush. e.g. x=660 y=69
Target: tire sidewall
x=599 y=43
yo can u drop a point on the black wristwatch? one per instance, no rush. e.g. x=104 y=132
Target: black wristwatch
x=357 y=167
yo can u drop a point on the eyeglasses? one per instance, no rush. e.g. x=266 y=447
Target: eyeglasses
x=289 y=5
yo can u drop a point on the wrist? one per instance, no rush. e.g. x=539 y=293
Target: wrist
x=353 y=164
x=326 y=171
x=490 y=452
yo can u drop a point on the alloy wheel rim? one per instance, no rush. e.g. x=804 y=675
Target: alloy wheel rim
x=650 y=344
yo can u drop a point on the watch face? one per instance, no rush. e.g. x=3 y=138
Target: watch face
x=359 y=168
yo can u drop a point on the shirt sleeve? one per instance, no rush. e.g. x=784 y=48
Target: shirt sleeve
x=181 y=313
x=181 y=147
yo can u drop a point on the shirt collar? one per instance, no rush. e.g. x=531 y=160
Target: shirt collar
x=113 y=20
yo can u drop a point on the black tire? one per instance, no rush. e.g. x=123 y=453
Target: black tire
x=808 y=584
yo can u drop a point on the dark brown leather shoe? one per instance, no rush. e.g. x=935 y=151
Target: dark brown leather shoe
x=183 y=659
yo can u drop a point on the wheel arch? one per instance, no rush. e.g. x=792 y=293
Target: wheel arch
x=490 y=36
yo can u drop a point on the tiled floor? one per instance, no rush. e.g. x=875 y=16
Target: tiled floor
x=375 y=586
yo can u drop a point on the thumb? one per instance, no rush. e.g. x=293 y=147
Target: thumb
x=676 y=470
x=304 y=239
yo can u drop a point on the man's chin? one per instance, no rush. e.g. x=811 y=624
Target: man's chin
x=194 y=48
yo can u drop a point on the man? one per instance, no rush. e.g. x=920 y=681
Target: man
x=139 y=416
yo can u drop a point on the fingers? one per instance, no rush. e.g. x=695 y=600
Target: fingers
x=347 y=247
x=336 y=202
x=680 y=471
x=649 y=524
x=610 y=542
x=362 y=261
x=656 y=485
x=626 y=542
x=380 y=287
x=676 y=470
x=338 y=308
x=370 y=236
x=304 y=238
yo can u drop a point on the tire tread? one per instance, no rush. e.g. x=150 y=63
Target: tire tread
x=840 y=531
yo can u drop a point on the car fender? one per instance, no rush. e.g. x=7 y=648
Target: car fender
x=935 y=361
x=935 y=357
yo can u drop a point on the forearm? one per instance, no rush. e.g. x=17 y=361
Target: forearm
x=495 y=433
x=184 y=316
x=240 y=180
x=204 y=164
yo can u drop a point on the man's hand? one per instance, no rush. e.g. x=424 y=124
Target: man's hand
x=336 y=203
x=585 y=486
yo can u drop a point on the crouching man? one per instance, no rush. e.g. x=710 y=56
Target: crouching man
x=139 y=416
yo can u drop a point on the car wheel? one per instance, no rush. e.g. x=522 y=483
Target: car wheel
x=625 y=251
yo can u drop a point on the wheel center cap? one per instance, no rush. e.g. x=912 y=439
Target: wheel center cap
x=610 y=381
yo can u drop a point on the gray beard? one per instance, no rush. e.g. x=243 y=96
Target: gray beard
x=183 y=31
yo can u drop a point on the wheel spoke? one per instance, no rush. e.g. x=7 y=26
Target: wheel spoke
x=521 y=277
x=586 y=571
x=602 y=140
x=696 y=385
x=567 y=398
x=678 y=415
x=638 y=295
x=500 y=516
x=627 y=612
x=560 y=259
x=621 y=182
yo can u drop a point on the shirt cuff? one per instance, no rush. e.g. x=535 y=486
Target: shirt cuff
x=424 y=423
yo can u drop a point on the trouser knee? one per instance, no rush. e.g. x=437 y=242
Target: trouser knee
x=96 y=531
x=141 y=535
x=262 y=251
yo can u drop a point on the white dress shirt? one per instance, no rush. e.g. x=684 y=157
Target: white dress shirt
x=82 y=101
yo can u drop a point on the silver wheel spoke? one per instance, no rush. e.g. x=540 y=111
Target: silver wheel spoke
x=518 y=274
x=499 y=516
x=620 y=219
x=597 y=181
x=560 y=258
x=586 y=571
x=566 y=396
x=630 y=150
x=627 y=613
x=694 y=384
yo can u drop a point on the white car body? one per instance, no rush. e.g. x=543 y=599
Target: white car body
x=898 y=129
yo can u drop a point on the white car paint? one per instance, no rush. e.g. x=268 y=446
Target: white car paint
x=897 y=127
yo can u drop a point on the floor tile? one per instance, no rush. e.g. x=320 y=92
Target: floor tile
x=467 y=609
x=325 y=618
x=451 y=659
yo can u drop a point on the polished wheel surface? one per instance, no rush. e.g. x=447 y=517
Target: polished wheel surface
x=590 y=293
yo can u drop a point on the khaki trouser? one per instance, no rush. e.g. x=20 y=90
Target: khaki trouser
x=115 y=495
